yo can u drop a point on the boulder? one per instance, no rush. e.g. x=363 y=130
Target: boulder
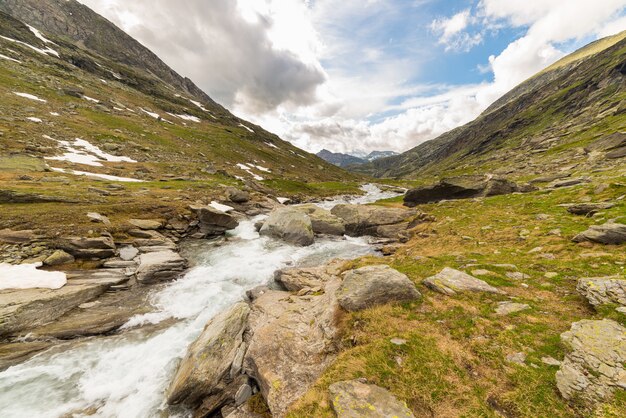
x=588 y=209
x=292 y=341
x=354 y=399
x=213 y=221
x=100 y=247
x=322 y=221
x=128 y=253
x=296 y=279
x=289 y=225
x=147 y=224
x=450 y=281
x=237 y=196
x=366 y=220
x=159 y=266
x=594 y=368
x=97 y=218
x=462 y=187
x=603 y=290
x=375 y=285
x=611 y=233
x=57 y=258
x=208 y=360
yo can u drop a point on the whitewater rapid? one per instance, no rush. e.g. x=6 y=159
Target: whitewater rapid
x=126 y=375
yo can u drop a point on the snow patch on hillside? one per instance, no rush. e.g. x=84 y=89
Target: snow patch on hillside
x=97 y=175
x=47 y=51
x=81 y=151
x=29 y=96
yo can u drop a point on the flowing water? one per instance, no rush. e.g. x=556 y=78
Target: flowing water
x=126 y=375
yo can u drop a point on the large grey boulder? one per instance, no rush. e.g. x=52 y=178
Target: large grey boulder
x=289 y=225
x=58 y=257
x=212 y=221
x=293 y=339
x=354 y=399
x=609 y=233
x=462 y=187
x=368 y=220
x=159 y=266
x=450 y=281
x=322 y=221
x=603 y=290
x=207 y=364
x=98 y=247
x=594 y=368
x=375 y=285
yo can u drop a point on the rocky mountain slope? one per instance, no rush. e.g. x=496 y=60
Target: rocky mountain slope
x=75 y=117
x=571 y=114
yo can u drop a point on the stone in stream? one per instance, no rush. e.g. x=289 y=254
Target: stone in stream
x=213 y=221
x=450 y=281
x=378 y=221
x=237 y=196
x=29 y=308
x=292 y=341
x=289 y=225
x=603 y=290
x=207 y=364
x=322 y=221
x=609 y=233
x=375 y=285
x=159 y=266
x=594 y=368
x=354 y=399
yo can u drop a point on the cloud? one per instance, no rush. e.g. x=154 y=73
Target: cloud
x=253 y=55
x=452 y=32
x=345 y=75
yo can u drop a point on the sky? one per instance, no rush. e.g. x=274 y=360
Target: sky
x=361 y=75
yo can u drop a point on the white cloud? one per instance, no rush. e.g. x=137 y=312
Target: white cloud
x=341 y=74
x=452 y=32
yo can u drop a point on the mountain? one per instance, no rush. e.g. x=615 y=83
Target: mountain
x=339 y=159
x=572 y=114
x=346 y=160
x=375 y=155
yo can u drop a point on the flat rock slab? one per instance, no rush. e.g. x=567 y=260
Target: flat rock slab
x=588 y=209
x=160 y=266
x=594 y=368
x=507 y=308
x=147 y=224
x=450 y=281
x=109 y=312
x=30 y=308
x=609 y=233
x=375 y=285
x=354 y=399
